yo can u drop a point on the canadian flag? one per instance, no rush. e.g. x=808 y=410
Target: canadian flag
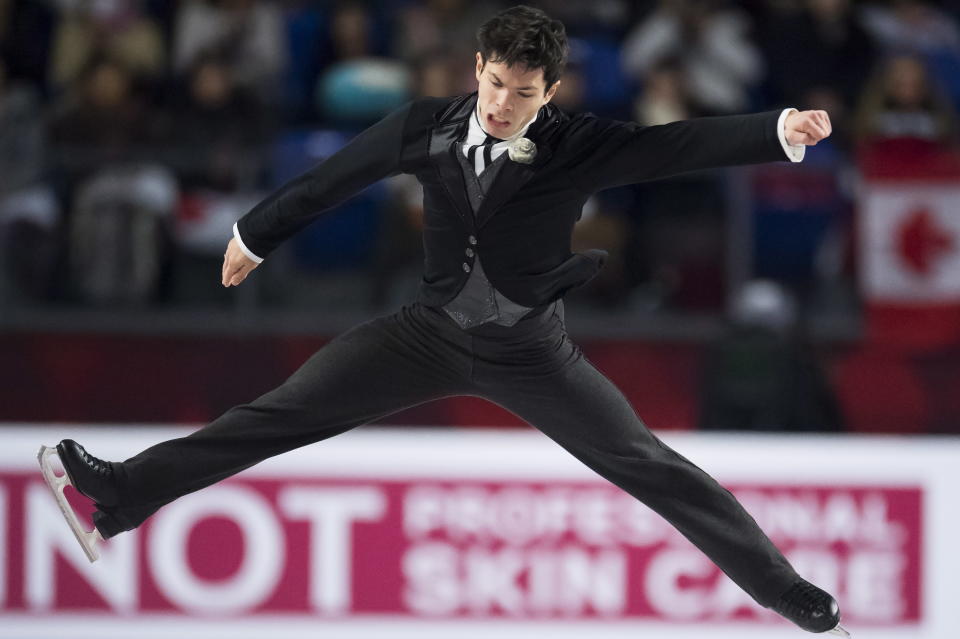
x=910 y=255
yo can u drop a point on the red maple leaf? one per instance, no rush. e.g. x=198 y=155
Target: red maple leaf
x=920 y=242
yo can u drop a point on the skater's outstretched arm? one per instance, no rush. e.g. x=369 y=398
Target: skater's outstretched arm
x=613 y=153
x=369 y=157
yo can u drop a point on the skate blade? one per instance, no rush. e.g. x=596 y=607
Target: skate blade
x=57 y=483
x=839 y=631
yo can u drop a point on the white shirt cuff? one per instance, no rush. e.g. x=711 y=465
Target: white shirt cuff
x=243 y=247
x=794 y=151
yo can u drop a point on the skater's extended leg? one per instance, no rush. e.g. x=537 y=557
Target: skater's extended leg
x=563 y=395
x=371 y=371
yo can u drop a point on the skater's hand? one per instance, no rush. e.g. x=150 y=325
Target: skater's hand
x=236 y=265
x=807 y=127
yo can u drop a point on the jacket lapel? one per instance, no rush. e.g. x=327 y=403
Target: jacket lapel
x=512 y=177
x=443 y=148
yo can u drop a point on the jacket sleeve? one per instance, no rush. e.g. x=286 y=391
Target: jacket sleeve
x=369 y=157
x=612 y=153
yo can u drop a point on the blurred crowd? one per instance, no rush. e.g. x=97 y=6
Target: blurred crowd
x=133 y=133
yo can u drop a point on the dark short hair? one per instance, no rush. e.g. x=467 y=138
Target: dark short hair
x=526 y=36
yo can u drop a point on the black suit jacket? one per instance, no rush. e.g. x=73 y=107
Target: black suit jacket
x=524 y=226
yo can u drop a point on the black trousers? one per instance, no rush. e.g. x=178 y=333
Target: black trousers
x=418 y=354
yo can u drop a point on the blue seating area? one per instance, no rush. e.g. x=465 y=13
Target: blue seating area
x=339 y=239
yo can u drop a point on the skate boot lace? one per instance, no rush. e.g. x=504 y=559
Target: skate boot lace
x=102 y=468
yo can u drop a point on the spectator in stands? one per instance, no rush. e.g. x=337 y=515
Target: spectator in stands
x=218 y=129
x=119 y=202
x=674 y=253
x=426 y=26
x=761 y=376
x=102 y=120
x=710 y=42
x=433 y=74
x=901 y=102
x=361 y=86
x=351 y=31
x=21 y=136
x=918 y=27
x=819 y=56
x=247 y=34
x=664 y=96
x=215 y=136
x=119 y=29
x=29 y=213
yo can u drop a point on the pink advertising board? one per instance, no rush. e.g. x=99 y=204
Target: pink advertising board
x=433 y=530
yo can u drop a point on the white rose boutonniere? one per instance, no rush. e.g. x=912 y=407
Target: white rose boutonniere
x=522 y=150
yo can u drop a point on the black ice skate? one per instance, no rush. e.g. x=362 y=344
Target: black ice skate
x=92 y=477
x=811 y=608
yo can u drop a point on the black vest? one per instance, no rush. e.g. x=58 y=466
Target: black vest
x=524 y=225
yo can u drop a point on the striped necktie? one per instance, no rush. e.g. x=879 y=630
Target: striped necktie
x=481 y=155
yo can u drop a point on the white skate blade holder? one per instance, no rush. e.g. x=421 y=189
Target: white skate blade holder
x=57 y=483
x=839 y=631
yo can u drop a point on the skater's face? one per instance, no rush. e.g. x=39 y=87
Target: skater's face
x=509 y=97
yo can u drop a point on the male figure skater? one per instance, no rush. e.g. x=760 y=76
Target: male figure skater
x=504 y=174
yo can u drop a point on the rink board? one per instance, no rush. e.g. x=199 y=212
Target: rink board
x=431 y=533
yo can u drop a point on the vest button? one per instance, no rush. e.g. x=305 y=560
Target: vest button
x=466 y=267
x=472 y=240
x=469 y=252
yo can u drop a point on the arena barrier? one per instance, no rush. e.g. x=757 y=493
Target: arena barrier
x=443 y=533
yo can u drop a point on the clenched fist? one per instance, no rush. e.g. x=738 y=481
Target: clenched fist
x=236 y=265
x=807 y=127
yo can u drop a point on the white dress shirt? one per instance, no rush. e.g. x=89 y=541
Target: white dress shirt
x=476 y=135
